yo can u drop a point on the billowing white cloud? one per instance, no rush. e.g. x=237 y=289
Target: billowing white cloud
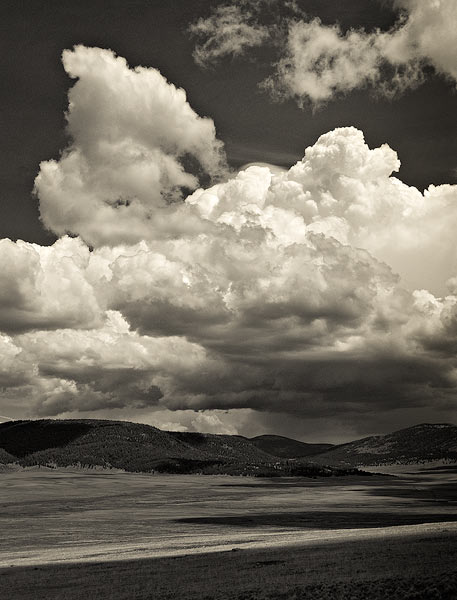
x=46 y=287
x=132 y=133
x=14 y=367
x=289 y=292
x=359 y=203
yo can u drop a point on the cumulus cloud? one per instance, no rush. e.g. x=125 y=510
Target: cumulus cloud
x=110 y=366
x=46 y=287
x=295 y=293
x=132 y=134
x=429 y=33
x=319 y=61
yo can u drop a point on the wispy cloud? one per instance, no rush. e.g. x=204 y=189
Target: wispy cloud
x=317 y=62
x=229 y=31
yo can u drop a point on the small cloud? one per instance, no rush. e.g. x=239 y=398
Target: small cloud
x=228 y=31
x=275 y=169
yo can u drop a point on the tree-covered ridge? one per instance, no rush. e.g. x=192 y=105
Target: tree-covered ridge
x=5 y=457
x=285 y=447
x=421 y=443
x=142 y=448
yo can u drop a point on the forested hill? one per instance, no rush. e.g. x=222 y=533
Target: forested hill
x=140 y=448
x=285 y=447
x=143 y=448
x=5 y=457
x=414 y=445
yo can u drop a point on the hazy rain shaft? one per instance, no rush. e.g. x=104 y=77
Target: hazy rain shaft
x=326 y=289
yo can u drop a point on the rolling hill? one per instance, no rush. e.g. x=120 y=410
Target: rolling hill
x=418 y=444
x=140 y=448
x=121 y=445
x=143 y=448
x=285 y=447
x=5 y=457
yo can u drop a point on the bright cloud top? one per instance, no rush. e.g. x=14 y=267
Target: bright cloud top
x=318 y=62
x=316 y=291
x=132 y=133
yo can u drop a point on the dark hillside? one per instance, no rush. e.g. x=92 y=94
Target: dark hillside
x=129 y=446
x=142 y=448
x=284 y=447
x=5 y=458
x=123 y=445
x=21 y=438
x=225 y=447
x=418 y=444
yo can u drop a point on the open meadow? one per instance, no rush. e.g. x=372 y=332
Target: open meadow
x=98 y=534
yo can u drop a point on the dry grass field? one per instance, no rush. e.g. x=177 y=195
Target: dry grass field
x=85 y=535
x=412 y=567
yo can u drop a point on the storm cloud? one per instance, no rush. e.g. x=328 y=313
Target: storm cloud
x=326 y=291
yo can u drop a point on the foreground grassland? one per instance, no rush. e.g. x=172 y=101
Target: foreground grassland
x=75 y=535
x=417 y=567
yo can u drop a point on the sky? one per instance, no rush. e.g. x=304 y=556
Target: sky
x=232 y=217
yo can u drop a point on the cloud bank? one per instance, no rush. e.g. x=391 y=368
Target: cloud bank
x=327 y=292
x=318 y=62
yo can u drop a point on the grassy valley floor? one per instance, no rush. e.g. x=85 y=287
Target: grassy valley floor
x=75 y=535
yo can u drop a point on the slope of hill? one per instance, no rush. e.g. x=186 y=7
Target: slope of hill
x=129 y=446
x=141 y=448
x=418 y=444
x=5 y=457
x=225 y=447
x=284 y=447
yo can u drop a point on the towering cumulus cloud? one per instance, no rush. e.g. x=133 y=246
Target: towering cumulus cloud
x=131 y=133
x=293 y=293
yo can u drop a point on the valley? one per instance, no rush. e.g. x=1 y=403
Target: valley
x=160 y=531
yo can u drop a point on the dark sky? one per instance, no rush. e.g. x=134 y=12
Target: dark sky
x=420 y=125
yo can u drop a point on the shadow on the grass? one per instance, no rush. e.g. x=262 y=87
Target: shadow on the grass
x=321 y=519
x=440 y=493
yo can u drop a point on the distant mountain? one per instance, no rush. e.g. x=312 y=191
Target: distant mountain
x=418 y=444
x=285 y=447
x=140 y=448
